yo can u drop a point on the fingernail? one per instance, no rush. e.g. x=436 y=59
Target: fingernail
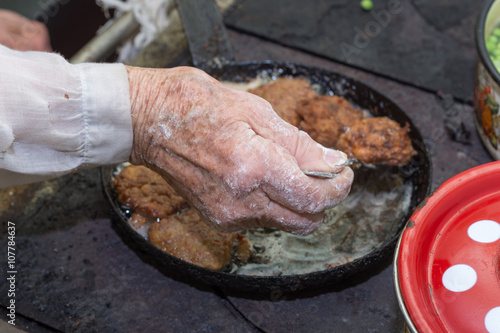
x=335 y=158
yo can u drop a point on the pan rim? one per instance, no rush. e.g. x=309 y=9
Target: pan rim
x=304 y=281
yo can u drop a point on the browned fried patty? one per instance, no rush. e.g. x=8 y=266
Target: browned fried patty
x=284 y=94
x=244 y=249
x=186 y=237
x=377 y=140
x=335 y=123
x=146 y=192
x=138 y=221
x=183 y=235
x=325 y=118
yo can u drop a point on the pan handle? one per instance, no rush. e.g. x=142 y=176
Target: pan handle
x=205 y=33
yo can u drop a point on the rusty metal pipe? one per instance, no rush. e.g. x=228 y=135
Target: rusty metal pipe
x=103 y=45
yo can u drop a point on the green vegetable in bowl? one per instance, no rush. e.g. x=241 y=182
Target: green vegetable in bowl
x=492 y=44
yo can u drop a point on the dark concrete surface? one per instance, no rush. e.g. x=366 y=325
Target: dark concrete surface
x=425 y=43
x=76 y=274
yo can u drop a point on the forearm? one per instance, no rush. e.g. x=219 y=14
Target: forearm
x=56 y=117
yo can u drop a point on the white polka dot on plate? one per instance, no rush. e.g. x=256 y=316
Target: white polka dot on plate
x=459 y=278
x=485 y=231
x=492 y=320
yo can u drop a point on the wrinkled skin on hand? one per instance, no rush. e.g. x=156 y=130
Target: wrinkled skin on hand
x=20 y=33
x=229 y=154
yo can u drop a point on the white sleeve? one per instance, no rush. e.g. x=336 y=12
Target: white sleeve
x=56 y=117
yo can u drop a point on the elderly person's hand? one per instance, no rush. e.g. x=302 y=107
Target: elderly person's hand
x=19 y=33
x=229 y=154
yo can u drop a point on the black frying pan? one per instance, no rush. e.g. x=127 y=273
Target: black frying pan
x=417 y=174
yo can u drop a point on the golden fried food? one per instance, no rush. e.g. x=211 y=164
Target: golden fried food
x=183 y=235
x=138 y=221
x=244 y=249
x=284 y=94
x=335 y=123
x=186 y=237
x=146 y=192
x=377 y=140
x=325 y=118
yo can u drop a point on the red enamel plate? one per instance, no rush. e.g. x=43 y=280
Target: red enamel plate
x=447 y=266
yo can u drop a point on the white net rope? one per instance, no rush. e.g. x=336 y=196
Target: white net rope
x=150 y=14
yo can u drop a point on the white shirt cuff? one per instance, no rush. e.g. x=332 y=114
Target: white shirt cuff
x=105 y=94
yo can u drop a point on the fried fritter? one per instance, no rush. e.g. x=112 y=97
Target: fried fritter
x=378 y=140
x=244 y=249
x=138 y=221
x=185 y=236
x=146 y=192
x=325 y=118
x=335 y=123
x=284 y=94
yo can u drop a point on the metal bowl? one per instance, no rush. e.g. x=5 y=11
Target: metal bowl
x=487 y=86
x=447 y=264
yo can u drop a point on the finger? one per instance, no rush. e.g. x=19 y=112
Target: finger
x=279 y=217
x=290 y=221
x=312 y=156
x=36 y=36
x=287 y=185
x=284 y=181
x=309 y=154
x=24 y=34
x=8 y=39
x=310 y=195
x=12 y=21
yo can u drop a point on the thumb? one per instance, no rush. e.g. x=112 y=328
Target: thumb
x=312 y=156
x=309 y=154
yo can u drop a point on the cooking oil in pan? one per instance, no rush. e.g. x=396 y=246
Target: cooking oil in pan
x=379 y=198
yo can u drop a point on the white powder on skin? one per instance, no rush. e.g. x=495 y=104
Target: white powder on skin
x=229 y=160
